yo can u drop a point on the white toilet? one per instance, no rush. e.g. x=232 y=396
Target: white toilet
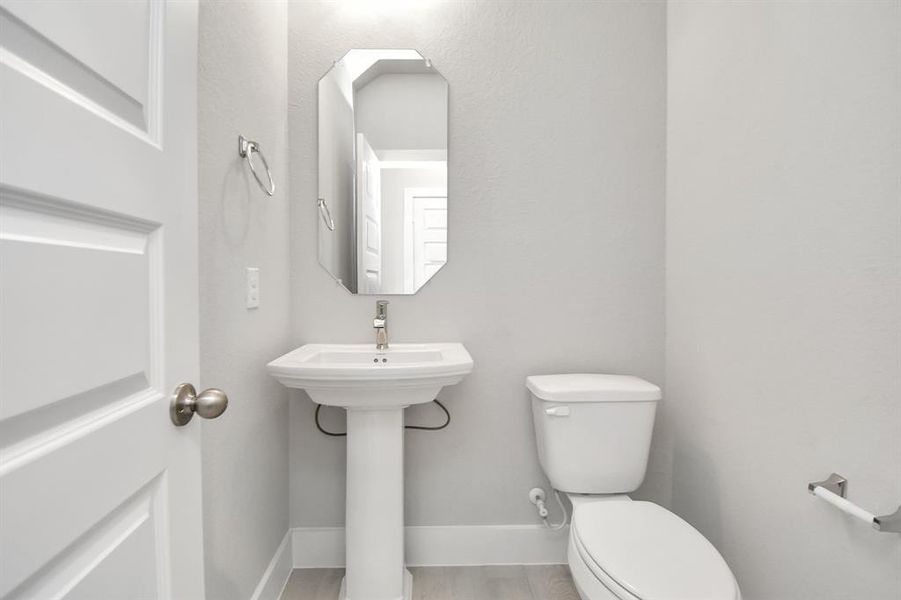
x=594 y=435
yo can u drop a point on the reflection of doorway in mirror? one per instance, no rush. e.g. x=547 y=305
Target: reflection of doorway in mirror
x=425 y=235
x=402 y=170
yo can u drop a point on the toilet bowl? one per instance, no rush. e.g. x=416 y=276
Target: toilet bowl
x=625 y=550
x=594 y=434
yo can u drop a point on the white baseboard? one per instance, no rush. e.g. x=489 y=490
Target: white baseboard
x=317 y=547
x=429 y=546
x=443 y=545
x=485 y=545
x=276 y=575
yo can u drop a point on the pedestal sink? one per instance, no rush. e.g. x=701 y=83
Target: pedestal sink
x=374 y=386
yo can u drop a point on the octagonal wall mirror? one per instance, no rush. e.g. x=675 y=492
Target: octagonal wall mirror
x=383 y=171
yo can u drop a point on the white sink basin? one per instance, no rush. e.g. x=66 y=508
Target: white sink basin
x=358 y=375
x=374 y=386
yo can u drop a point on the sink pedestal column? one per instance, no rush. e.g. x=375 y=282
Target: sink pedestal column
x=374 y=522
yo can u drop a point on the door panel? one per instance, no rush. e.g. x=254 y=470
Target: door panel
x=99 y=491
x=429 y=236
x=425 y=235
x=65 y=46
x=60 y=503
x=78 y=261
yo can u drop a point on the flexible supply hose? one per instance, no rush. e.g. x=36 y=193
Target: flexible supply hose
x=420 y=427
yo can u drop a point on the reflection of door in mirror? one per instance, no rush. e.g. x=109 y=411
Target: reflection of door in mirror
x=425 y=235
x=369 y=219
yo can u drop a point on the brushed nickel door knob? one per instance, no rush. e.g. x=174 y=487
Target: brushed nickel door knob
x=209 y=404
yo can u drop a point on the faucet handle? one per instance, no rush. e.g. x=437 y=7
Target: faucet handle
x=381 y=309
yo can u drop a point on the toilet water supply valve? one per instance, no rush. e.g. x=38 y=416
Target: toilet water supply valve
x=537 y=497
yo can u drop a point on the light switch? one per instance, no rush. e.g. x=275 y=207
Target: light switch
x=252 y=287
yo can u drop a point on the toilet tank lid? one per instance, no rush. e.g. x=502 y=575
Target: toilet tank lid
x=592 y=387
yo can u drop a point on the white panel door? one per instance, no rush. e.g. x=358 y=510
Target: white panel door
x=99 y=491
x=425 y=235
x=369 y=219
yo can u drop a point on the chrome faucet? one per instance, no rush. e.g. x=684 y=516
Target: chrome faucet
x=380 y=323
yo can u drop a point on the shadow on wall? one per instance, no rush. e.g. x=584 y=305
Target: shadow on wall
x=226 y=587
x=696 y=489
x=236 y=193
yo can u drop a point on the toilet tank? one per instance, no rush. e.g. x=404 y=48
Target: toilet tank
x=593 y=431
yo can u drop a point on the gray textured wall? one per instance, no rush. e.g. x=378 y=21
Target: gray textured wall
x=242 y=90
x=783 y=288
x=556 y=234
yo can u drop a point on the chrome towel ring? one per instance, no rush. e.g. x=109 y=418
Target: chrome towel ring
x=246 y=149
x=326 y=214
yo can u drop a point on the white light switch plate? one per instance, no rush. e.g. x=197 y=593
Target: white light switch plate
x=252 y=287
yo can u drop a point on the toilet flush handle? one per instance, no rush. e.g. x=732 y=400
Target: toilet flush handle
x=557 y=411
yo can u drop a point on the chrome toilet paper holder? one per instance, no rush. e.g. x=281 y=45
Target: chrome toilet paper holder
x=834 y=490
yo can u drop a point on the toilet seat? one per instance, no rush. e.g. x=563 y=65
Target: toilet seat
x=642 y=551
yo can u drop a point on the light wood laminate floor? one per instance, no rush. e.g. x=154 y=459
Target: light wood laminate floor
x=533 y=582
